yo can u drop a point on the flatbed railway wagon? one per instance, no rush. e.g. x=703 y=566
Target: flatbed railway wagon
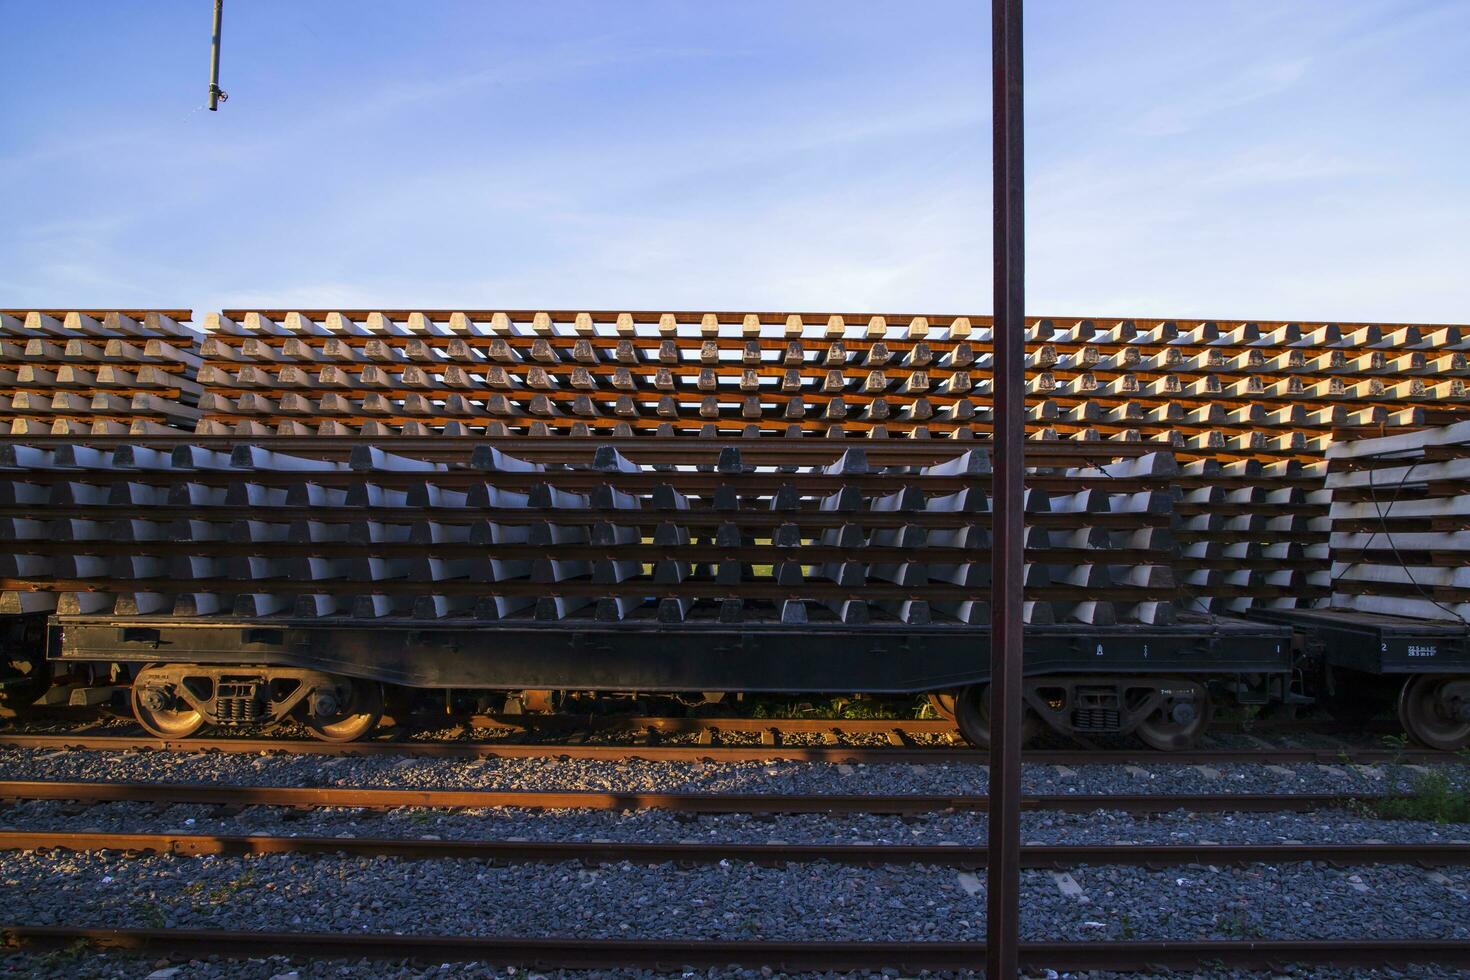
x=290 y=513
x=1396 y=629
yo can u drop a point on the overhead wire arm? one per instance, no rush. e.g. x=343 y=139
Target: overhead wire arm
x=216 y=94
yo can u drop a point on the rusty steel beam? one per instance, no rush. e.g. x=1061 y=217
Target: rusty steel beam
x=614 y=852
x=692 y=449
x=1003 y=890
x=771 y=317
x=775 y=750
x=180 y=315
x=310 y=796
x=553 y=952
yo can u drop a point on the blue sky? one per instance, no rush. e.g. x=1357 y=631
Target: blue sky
x=1270 y=159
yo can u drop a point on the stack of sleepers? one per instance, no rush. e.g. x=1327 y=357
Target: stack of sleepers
x=1204 y=390
x=79 y=374
x=581 y=531
x=1252 y=535
x=1401 y=524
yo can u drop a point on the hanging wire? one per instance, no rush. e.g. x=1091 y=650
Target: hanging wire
x=1388 y=536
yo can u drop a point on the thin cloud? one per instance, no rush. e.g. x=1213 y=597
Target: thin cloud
x=1246 y=159
x=1193 y=109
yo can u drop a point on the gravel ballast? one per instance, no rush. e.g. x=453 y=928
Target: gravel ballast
x=652 y=826
x=120 y=966
x=731 y=900
x=641 y=776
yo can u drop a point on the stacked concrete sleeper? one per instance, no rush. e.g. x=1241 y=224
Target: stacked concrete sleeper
x=260 y=533
x=1400 y=507
x=1247 y=410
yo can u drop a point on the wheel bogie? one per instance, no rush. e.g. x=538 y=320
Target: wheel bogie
x=1166 y=713
x=178 y=700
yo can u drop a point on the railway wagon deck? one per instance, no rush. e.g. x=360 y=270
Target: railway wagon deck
x=1158 y=681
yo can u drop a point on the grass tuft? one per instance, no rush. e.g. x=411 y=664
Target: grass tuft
x=1433 y=800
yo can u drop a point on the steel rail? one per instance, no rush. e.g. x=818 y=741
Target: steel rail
x=812 y=317
x=138 y=314
x=892 y=727
x=771 y=730
x=552 y=952
x=865 y=755
x=678 y=369
x=810 y=589
x=643 y=483
x=759 y=554
x=728 y=380
x=731 y=399
x=361 y=797
x=771 y=450
x=806 y=517
x=1039 y=452
x=647 y=346
x=1436 y=854
x=804 y=554
x=612 y=722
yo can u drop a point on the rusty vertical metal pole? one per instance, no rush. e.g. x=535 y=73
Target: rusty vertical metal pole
x=214 y=89
x=1003 y=885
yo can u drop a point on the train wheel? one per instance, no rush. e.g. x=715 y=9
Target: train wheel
x=1428 y=716
x=1180 y=720
x=972 y=717
x=943 y=704
x=159 y=708
x=346 y=711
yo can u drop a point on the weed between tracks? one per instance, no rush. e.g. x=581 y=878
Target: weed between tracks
x=150 y=912
x=1433 y=800
x=220 y=894
x=66 y=954
x=1233 y=925
x=842 y=708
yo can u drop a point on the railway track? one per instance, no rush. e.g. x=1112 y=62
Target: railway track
x=689 y=853
x=900 y=737
x=563 y=724
x=858 y=754
x=557 y=952
x=912 y=803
